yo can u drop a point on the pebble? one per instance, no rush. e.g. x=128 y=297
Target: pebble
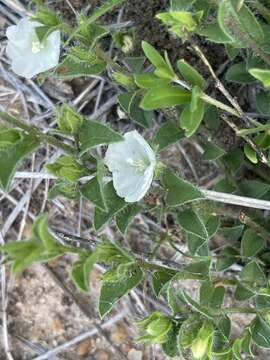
x=84 y=347
x=134 y=355
x=102 y=355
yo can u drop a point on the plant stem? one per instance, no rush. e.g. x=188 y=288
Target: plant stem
x=242 y=310
x=102 y=54
x=254 y=130
x=34 y=131
x=236 y=200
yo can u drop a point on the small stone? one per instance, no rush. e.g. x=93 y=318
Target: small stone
x=134 y=355
x=120 y=334
x=57 y=326
x=84 y=347
x=102 y=355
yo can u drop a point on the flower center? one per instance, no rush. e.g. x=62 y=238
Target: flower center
x=140 y=165
x=37 y=47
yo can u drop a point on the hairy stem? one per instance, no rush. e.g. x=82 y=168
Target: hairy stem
x=34 y=131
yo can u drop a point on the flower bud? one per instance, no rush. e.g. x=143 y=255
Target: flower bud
x=67 y=167
x=201 y=344
x=69 y=121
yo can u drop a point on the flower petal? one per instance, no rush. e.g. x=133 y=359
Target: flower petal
x=132 y=163
x=24 y=60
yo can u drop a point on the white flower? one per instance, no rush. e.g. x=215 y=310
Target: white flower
x=29 y=57
x=132 y=163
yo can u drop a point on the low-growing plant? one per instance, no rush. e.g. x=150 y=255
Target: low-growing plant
x=115 y=171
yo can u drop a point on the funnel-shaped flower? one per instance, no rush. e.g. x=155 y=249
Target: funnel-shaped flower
x=132 y=163
x=28 y=55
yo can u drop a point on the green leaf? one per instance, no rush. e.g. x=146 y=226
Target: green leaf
x=229 y=257
x=232 y=233
x=260 y=332
x=170 y=347
x=190 y=221
x=212 y=152
x=254 y=188
x=11 y=157
x=191 y=120
x=214 y=34
x=107 y=6
x=114 y=204
x=190 y=74
x=251 y=243
x=238 y=73
x=89 y=34
x=64 y=188
x=67 y=168
x=251 y=154
x=22 y=263
x=41 y=232
x=174 y=301
x=135 y=63
x=112 y=292
x=130 y=103
x=179 y=5
x=236 y=24
x=262 y=75
x=189 y=330
x=68 y=119
x=211 y=118
x=149 y=80
x=9 y=136
x=252 y=273
x=179 y=191
x=163 y=70
x=72 y=67
x=242 y=293
x=180 y=21
x=81 y=271
x=161 y=279
x=93 y=133
x=165 y=96
x=125 y=216
x=47 y=17
x=18 y=249
x=234 y=159
x=141 y=117
x=169 y=133
x=198 y=268
x=263 y=102
x=93 y=191
x=195 y=306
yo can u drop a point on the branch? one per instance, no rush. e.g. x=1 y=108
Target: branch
x=236 y=200
x=34 y=131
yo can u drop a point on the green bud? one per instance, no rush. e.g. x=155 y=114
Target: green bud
x=159 y=169
x=67 y=189
x=68 y=168
x=156 y=326
x=85 y=55
x=127 y=44
x=202 y=343
x=47 y=17
x=69 y=121
x=124 y=40
x=123 y=79
x=9 y=136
